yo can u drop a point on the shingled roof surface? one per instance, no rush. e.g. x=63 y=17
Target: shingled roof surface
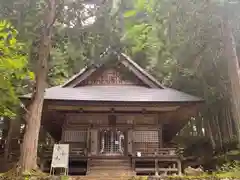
x=118 y=94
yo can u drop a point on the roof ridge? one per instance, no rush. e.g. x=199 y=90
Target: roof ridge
x=141 y=73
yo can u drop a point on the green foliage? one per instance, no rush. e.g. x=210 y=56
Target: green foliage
x=146 y=35
x=64 y=177
x=12 y=68
x=204 y=177
x=230 y=169
x=130 y=13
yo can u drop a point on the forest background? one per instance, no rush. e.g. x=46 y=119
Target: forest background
x=189 y=45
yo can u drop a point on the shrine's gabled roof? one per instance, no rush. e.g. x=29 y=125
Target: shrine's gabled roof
x=150 y=90
x=118 y=94
x=126 y=61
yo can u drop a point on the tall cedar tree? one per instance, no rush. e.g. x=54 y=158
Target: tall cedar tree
x=28 y=159
x=233 y=72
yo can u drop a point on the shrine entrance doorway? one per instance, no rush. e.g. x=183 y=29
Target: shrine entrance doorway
x=112 y=142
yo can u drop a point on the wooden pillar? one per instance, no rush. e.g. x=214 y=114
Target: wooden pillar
x=88 y=141
x=179 y=167
x=94 y=141
x=63 y=136
x=133 y=164
x=88 y=166
x=63 y=128
x=160 y=133
x=130 y=142
x=156 y=166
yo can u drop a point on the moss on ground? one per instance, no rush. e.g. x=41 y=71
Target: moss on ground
x=36 y=176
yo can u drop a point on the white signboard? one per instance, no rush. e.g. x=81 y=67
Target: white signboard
x=60 y=156
x=139 y=154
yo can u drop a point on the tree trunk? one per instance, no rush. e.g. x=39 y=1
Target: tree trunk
x=233 y=69
x=209 y=132
x=199 y=125
x=28 y=159
x=5 y=127
x=7 y=147
x=224 y=125
x=230 y=126
x=219 y=133
x=12 y=138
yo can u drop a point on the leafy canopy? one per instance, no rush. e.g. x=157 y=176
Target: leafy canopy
x=13 y=68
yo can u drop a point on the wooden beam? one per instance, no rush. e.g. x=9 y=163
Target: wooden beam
x=112 y=108
x=119 y=103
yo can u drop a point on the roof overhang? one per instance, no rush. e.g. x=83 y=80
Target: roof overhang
x=128 y=94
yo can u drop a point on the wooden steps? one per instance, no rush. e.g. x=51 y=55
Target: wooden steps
x=110 y=168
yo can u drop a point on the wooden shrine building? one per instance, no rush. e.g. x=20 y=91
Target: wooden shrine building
x=116 y=116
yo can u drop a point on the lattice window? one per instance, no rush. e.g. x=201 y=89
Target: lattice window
x=75 y=136
x=145 y=136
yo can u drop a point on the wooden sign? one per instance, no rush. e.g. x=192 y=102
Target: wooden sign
x=60 y=156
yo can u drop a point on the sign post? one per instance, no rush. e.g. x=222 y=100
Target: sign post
x=60 y=158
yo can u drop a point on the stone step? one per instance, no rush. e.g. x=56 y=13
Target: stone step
x=111 y=173
x=101 y=178
x=114 y=168
x=109 y=162
x=104 y=171
x=104 y=178
x=110 y=165
x=111 y=158
x=110 y=168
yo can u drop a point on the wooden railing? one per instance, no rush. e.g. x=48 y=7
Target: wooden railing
x=168 y=152
x=170 y=156
x=76 y=152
